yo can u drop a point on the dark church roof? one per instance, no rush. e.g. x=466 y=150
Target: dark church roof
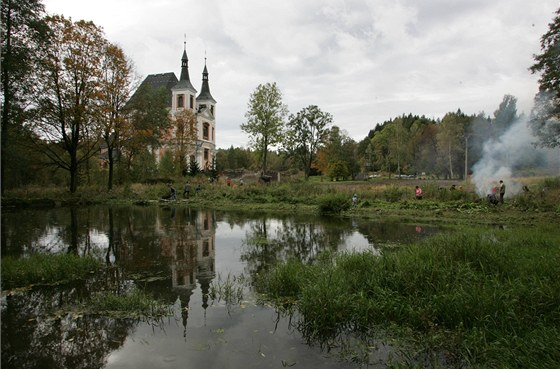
x=158 y=81
x=205 y=89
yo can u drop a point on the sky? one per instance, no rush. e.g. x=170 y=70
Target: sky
x=363 y=61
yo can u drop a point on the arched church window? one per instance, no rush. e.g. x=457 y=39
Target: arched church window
x=180 y=101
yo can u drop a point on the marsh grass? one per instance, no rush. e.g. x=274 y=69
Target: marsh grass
x=229 y=290
x=490 y=299
x=133 y=303
x=46 y=269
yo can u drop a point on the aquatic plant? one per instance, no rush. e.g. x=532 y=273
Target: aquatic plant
x=487 y=299
x=46 y=269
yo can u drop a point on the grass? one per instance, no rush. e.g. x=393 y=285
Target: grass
x=46 y=269
x=484 y=299
x=135 y=303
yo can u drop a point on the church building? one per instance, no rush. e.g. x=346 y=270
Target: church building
x=183 y=96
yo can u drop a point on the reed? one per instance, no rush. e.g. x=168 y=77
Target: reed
x=491 y=298
x=46 y=269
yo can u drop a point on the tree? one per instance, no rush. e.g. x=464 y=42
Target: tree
x=185 y=127
x=505 y=116
x=337 y=155
x=22 y=30
x=265 y=119
x=545 y=117
x=450 y=139
x=305 y=133
x=147 y=119
x=69 y=87
x=115 y=87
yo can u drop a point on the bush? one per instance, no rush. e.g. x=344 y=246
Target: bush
x=333 y=204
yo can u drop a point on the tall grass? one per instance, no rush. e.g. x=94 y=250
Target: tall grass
x=46 y=269
x=492 y=299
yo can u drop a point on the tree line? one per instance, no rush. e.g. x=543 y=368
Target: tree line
x=73 y=114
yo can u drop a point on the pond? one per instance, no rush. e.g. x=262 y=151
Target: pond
x=183 y=257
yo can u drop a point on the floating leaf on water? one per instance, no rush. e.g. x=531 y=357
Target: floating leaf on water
x=219 y=330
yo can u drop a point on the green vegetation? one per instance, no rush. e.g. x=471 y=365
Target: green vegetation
x=135 y=303
x=46 y=269
x=487 y=299
x=379 y=198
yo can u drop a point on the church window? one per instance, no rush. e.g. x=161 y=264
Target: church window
x=205 y=131
x=206 y=154
x=192 y=102
x=180 y=101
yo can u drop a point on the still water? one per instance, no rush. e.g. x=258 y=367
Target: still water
x=181 y=256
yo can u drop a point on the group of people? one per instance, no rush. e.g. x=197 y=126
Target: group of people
x=186 y=191
x=497 y=195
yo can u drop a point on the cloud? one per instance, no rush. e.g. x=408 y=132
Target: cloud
x=364 y=61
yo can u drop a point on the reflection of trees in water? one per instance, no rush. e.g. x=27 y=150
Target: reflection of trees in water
x=292 y=239
x=163 y=251
x=32 y=338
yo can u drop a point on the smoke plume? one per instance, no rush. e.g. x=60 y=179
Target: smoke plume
x=512 y=155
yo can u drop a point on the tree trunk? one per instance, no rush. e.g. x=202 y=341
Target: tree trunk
x=111 y=164
x=7 y=98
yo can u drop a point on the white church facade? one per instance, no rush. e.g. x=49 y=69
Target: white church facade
x=183 y=96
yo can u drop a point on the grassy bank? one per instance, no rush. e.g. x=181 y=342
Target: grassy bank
x=46 y=269
x=385 y=199
x=485 y=299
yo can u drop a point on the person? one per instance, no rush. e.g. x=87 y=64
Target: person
x=355 y=200
x=492 y=198
x=418 y=193
x=241 y=182
x=502 y=191
x=172 y=193
x=187 y=190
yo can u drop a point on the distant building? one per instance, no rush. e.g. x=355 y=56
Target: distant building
x=182 y=95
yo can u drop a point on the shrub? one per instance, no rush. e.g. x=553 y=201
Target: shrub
x=332 y=204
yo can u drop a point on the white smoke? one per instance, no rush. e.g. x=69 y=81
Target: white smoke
x=501 y=156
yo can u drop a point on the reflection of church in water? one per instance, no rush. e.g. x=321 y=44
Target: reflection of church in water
x=190 y=249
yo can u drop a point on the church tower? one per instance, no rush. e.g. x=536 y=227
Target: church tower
x=183 y=92
x=206 y=112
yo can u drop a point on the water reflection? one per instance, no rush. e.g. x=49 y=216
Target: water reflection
x=177 y=255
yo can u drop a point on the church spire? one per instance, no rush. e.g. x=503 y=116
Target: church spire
x=184 y=80
x=205 y=89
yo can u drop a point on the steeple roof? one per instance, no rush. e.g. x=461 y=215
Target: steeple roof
x=205 y=89
x=184 y=80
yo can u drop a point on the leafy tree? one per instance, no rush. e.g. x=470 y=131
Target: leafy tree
x=338 y=169
x=234 y=158
x=147 y=118
x=69 y=86
x=450 y=141
x=166 y=165
x=265 y=119
x=115 y=88
x=545 y=117
x=305 y=133
x=22 y=30
x=505 y=116
x=338 y=147
x=185 y=127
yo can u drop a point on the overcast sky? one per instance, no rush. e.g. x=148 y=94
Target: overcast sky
x=363 y=61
